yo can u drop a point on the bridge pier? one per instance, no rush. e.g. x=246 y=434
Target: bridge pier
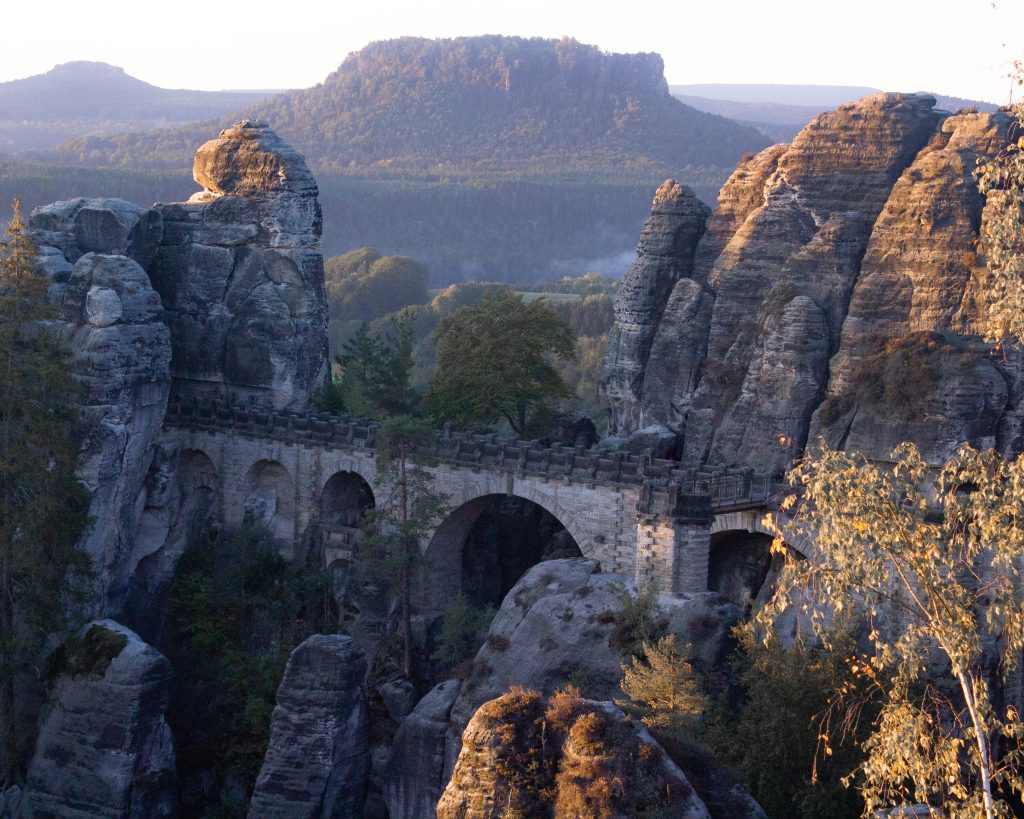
x=673 y=540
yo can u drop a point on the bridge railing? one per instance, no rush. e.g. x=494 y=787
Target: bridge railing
x=728 y=487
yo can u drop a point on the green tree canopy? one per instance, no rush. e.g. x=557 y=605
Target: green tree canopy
x=364 y=285
x=495 y=361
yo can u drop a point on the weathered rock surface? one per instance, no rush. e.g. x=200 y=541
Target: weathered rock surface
x=553 y=627
x=104 y=749
x=906 y=368
x=109 y=226
x=415 y=778
x=240 y=273
x=663 y=257
x=813 y=289
x=586 y=760
x=112 y=320
x=317 y=763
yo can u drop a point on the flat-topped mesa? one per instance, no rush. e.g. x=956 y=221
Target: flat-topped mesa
x=663 y=257
x=241 y=275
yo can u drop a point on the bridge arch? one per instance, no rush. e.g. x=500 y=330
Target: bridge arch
x=741 y=566
x=268 y=501
x=344 y=498
x=445 y=554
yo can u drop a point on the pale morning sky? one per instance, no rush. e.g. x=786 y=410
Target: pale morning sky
x=959 y=47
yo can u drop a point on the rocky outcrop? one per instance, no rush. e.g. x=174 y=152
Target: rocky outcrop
x=554 y=626
x=562 y=756
x=240 y=273
x=94 y=251
x=907 y=367
x=813 y=293
x=104 y=749
x=317 y=763
x=663 y=257
x=415 y=777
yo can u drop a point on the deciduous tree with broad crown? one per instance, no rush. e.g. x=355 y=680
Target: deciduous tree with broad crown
x=930 y=561
x=495 y=361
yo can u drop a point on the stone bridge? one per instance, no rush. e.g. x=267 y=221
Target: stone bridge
x=310 y=476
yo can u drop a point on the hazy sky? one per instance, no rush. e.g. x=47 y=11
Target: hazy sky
x=958 y=47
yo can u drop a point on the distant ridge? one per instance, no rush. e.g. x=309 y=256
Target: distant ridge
x=497 y=103
x=779 y=111
x=78 y=98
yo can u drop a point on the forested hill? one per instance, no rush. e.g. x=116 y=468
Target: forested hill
x=78 y=98
x=421 y=103
x=498 y=158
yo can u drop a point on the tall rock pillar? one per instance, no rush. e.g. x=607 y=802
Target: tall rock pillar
x=241 y=275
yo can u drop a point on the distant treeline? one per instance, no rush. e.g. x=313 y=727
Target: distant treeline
x=461 y=227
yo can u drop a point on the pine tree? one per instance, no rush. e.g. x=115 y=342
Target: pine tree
x=661 y=687
x=42 y=506
x=407 y=515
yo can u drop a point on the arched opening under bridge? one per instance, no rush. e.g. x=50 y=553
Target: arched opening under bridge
x=486 y=545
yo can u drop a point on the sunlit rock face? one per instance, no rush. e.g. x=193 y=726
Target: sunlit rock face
x=825 y=263
x=565 y=757
x=909 y=366
x=240 y=273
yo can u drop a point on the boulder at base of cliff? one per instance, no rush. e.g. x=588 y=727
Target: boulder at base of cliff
x=318 y=761
x=104 y=749
x=525 y=754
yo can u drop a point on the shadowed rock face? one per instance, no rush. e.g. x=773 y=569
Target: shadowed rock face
x=104 y=749
x=111 y=318
x=663 y=257
x=317 y=764
x=826 y=259
x=240 y=273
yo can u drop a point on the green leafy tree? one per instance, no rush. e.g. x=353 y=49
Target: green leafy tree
x=495 y=361
x=662 y=687
x=939 y=550
x=374 y=372
x=42 y=507
x=364 y=285
x=815 y=708
x=407 y=514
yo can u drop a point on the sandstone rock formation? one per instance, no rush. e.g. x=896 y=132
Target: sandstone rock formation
x=832 y=268
x=415 y=778
x=563 y=756
x=554 y=626
x=907 y=367
x=663 y=257
x=224 y=294
x=111 y=318
x=104 y=749
x=317 y=763
x=240 y=273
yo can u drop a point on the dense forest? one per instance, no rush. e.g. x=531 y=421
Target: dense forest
x=504 y=158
